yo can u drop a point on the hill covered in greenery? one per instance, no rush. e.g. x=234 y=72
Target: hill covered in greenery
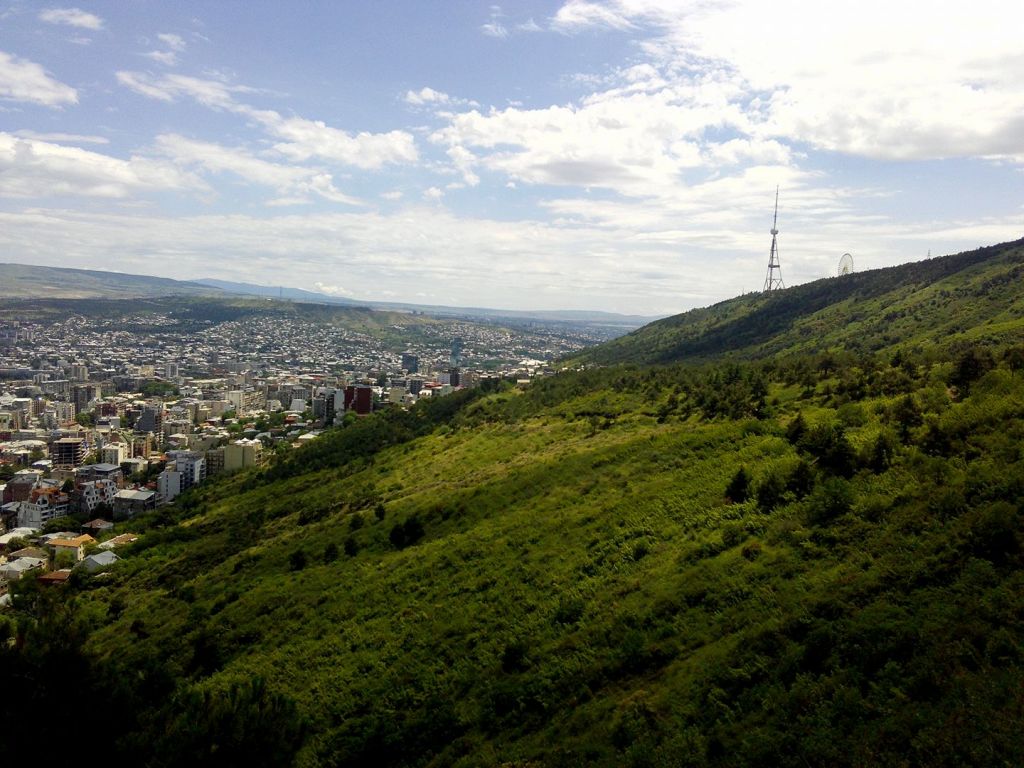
x=967 y=298
x=806 y=559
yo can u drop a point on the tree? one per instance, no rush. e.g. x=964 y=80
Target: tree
x=738 y=490
x=770 y=492
x=832 y=498
x=970 y=367
x=397 y=536
x=297 y=560
x=330 y=552
x=828 y=442
x=407 y=533
x=907 y=415
x=1014 y=359
x=801 y=479
x=796 y=429
x=880 y=456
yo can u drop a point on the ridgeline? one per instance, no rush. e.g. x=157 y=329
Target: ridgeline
x=802 y=546
x=948 y=301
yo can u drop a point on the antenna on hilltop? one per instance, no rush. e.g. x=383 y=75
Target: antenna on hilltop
x=773 y=281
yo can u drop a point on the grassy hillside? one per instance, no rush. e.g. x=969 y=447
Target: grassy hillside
x=946 y=301
x=815 y=562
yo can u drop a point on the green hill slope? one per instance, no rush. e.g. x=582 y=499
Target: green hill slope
x=942 y=301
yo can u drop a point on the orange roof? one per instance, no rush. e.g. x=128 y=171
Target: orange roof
x=78 y=541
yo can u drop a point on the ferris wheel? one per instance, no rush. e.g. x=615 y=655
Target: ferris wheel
x=845 y=265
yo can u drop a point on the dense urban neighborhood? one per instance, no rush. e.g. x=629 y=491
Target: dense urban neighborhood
x=102 y=418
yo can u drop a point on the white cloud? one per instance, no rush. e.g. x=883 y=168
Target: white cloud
x=885 y=82
x=167 y=58
x=174 y=42
x=302 y=139
x=332 y=290
x=712 y=95
x=394 y=194
x=31 y=168
x=74 y=17
x=306 y=139
x=578 y=14
x=24 y=80
x=170 y=87
x=433 y=193
x=71 y=138
x=293 y=183
x=629 y=140
x=425 y=96
x=463 y=162
x=494 y=29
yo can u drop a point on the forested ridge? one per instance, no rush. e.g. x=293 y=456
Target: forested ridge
x=967 y=298
x=809 y=557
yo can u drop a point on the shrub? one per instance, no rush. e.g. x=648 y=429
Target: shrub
x=330 y=553
x=801 y=480
x=831 y=499
x=569 y=611
x=738 y=490
x=770 y=492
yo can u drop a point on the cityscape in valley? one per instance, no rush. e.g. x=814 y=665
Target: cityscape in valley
x=106 y=416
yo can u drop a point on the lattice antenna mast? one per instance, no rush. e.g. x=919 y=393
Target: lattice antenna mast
x=773 y=281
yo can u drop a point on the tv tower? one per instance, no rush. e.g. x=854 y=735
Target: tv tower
x=773 y=281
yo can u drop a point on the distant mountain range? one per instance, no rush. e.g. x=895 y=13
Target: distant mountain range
x=564 y=315
x=24 y=281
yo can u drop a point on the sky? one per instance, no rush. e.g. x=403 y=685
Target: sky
x=617 y=155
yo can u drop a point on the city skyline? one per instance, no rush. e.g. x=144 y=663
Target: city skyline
x=618 y=156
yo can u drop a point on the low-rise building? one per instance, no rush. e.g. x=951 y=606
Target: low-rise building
x=13 y=570
x=130 y=502
x=98 y=560
x=119 y=541
x=73 y=546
